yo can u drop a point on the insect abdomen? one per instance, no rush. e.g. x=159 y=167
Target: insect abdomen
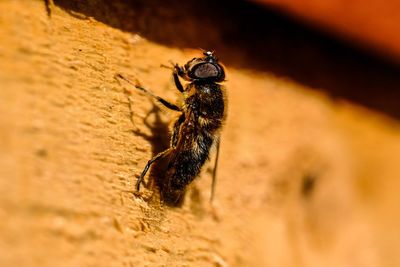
x=207 y=108
x=189 y=161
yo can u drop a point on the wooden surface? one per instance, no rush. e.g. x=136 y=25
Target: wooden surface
x=308 y=166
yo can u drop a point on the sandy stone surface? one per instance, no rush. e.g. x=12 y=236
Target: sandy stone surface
x=309 y=165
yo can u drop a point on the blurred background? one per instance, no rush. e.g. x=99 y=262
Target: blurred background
x=308 y=172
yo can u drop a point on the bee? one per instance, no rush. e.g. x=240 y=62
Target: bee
x=197 y=128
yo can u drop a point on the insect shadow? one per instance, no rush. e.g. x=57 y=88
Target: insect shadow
x=159 y=138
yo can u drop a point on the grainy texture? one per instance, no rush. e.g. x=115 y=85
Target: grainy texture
x=304 y=179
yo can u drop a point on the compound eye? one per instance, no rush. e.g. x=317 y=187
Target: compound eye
x=206 y=70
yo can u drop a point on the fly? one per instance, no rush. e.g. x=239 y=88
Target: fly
x=197 y=128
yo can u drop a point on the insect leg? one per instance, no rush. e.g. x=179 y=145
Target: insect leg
x=150 y=93
x=214 y=178
x=149 y=163
x=178 y=83
x=159 y=99
x=176 y=130
x=178 y=71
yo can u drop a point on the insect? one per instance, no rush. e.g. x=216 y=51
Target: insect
x=198 y=126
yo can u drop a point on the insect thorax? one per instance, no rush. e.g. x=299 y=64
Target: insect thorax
x=206 y=102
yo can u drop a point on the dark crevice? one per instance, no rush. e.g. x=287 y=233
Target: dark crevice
x=308 y=185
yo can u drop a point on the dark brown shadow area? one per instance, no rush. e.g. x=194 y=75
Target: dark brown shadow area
x=249 y=36
x=159 y=138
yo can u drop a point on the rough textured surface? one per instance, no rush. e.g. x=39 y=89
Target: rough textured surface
x=309 y=158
